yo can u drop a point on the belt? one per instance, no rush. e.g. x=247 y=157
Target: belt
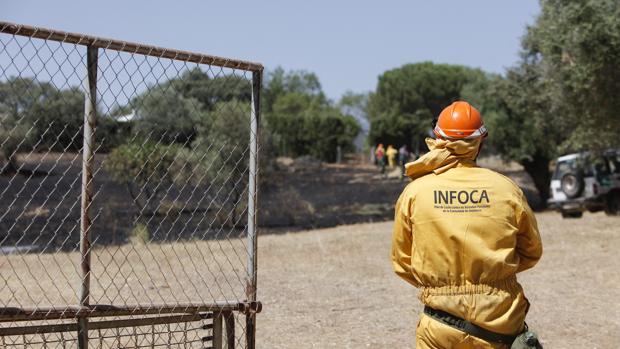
x=468 y=327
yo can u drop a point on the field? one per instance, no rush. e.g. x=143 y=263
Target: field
x=334 y=288
x=325 y=288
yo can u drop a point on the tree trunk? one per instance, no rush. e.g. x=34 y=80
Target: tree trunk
x=134 y=198
x=538 y=169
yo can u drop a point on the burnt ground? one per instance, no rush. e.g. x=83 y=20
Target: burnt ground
x=349 y=193
x=41 y=205
x=328 y=196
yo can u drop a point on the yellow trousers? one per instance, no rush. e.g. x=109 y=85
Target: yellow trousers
x=432 y=334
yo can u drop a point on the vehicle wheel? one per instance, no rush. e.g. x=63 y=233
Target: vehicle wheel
x=572 y=214
x=613 y=204
x=572 y=184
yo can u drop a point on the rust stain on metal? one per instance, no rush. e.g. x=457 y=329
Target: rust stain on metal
x=99 y=310
x=99 y=325
x=125 y=46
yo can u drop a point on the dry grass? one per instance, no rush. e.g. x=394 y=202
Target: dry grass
x=183 y=272
x=141 y=273
x=334 y=288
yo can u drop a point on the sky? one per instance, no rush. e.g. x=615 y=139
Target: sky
x=348 y=44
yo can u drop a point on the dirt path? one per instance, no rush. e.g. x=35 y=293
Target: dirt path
x=334 y=288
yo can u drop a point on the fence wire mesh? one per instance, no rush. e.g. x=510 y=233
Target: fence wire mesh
x=151 y=212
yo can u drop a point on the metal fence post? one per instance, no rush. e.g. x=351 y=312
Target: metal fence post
x=90 y=109
x=229 y=320
x=217 y=330
x=252 y=247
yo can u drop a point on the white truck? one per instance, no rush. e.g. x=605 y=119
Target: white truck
x=586 y=181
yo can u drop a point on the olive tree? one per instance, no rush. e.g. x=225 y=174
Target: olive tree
x=409 y=97
x=576 y=45
x=561 y=97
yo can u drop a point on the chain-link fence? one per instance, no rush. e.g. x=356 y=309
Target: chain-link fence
x=127 y=194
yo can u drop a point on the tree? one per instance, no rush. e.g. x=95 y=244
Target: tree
x=222 y=156
x=172 y=111
x=356 y=105
x=302 y=120
x=167 y=116
x=305 y=125
x=36 y=113
x=59 y=119
x=147 y=169
x=13 y=135
x=520 y=128
x=562 y=97
x=17 y=96
x=409 y=97
x=279 y=83
x=577 y=48
x=196 y=84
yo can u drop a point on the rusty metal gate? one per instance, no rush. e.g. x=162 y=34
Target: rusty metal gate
x=127 y=194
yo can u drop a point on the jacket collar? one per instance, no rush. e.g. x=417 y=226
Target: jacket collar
x=444 y=155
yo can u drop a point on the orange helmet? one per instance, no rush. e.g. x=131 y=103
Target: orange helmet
x=460 y=121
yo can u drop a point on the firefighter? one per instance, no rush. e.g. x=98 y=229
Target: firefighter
x=461 y=234
x=391 y=153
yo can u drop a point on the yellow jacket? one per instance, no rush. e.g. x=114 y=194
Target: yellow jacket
x=461 y=233
x=391 y=153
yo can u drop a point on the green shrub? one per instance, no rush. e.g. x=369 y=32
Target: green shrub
x=147 y=169
x=139 y=234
